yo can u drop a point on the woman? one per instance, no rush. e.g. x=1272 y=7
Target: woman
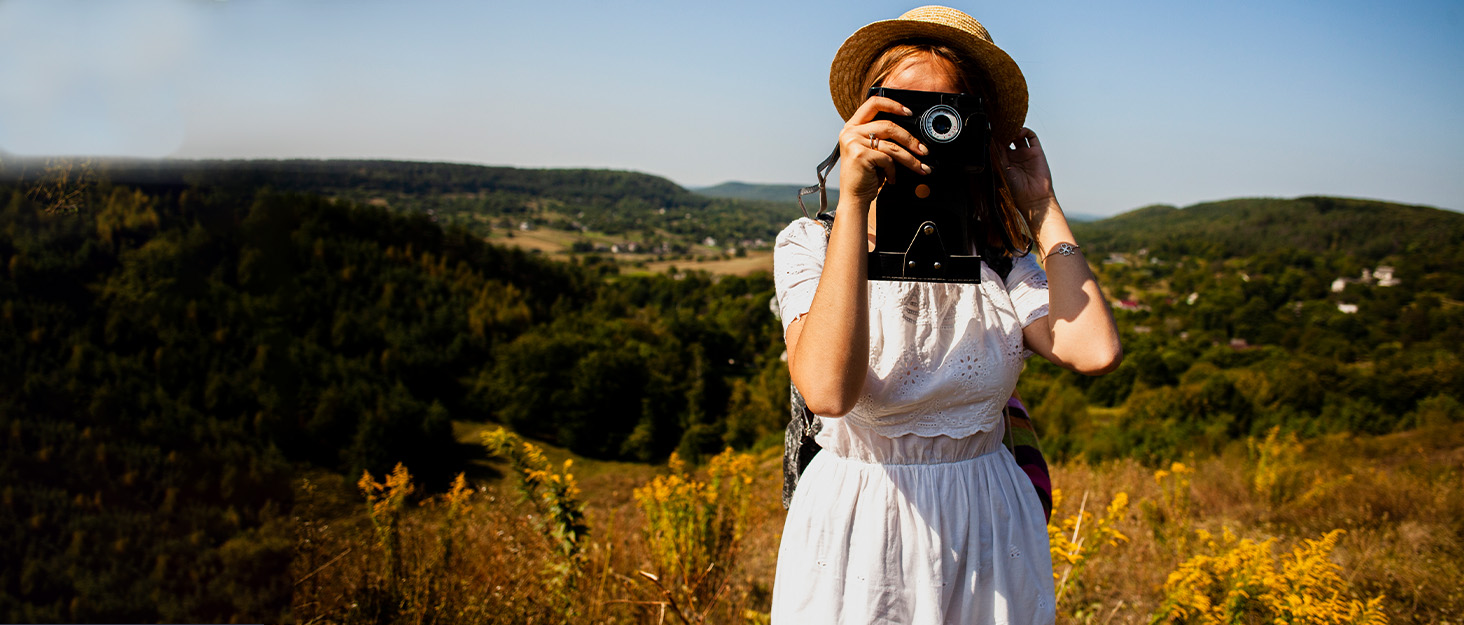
x=913 y=512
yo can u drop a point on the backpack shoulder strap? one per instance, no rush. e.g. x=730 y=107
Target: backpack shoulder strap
x=827 y=220
x=1002 y=265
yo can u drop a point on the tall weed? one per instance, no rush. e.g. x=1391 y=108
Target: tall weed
x=1076 y=540
x=557 y=497
x=385 y=502
x=1170 y=515
x=1275 y=476
x=694 y=528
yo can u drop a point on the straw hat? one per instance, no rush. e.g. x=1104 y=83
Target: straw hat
x=1005 y=84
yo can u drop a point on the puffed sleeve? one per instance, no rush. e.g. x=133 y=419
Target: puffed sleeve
x=798 y=257
x=1027 y=284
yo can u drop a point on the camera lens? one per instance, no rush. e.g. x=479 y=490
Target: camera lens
x=941 y=123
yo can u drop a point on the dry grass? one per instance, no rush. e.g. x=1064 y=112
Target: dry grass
x=557 y=243
x=1399 y=500
x=753 y=263
x=546 y=240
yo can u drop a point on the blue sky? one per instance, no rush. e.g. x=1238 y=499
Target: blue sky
x=1136 y=102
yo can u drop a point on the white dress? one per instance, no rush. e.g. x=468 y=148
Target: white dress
x=914 y=512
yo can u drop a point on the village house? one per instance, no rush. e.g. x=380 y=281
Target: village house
x=1382 y=276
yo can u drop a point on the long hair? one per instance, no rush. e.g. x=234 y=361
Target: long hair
x=1005 y=228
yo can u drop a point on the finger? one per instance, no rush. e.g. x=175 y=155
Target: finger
x=873 y=106
x=890 y=131
x=888 y=165
x=1030 y=137
x=904 y=157
x=877 y=162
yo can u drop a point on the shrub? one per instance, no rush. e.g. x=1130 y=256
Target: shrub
x=1238 y=581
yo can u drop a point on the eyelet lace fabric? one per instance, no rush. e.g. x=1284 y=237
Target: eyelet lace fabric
x=914 y=511
x=943 y=358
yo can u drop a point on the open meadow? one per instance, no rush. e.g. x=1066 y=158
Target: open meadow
x=1335 y=530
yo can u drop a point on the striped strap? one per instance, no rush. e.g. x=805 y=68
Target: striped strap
x=1021 y=440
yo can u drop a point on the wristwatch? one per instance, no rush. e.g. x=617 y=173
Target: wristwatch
x=1066 y=249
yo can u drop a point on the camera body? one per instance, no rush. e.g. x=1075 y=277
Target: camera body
x=926 y=224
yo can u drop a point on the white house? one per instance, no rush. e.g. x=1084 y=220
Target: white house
x=1385 y=276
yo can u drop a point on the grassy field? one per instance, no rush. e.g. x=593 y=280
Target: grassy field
x=557 y=243
x=1126 y=529
x=545 y=240
x=752 y=263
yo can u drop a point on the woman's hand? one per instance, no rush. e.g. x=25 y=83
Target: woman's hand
x=828 y=365
x=869 y=149
x=1078 y=332
x=1028 y=175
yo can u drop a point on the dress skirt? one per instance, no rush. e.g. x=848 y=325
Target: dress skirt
x=919 y=530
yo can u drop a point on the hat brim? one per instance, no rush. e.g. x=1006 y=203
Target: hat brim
x=1007 y=87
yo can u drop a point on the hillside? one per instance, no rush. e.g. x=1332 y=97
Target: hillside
x=590 y=210
x=179 y=356
x=193 y=342
x=1370 y=230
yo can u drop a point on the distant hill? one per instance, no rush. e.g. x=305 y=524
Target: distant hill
x=788 y=193
x=661 y=215
x=784 y=193
x=1367 y=229
x=632 y=206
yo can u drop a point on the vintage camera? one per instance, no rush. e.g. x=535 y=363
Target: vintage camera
x=926 y=224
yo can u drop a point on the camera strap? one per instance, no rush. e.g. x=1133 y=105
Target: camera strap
x=822 y=170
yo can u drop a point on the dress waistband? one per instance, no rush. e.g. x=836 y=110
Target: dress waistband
x=860 y=444
x=854 y=460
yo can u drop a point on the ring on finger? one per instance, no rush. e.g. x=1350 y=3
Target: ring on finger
x=873 y=142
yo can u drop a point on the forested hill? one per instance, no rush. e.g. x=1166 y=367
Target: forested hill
x=650 y=210
x=592 y=186
x=1369 y=230
x=175 y=356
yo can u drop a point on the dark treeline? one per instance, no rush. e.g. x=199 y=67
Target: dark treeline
x=175 y=355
